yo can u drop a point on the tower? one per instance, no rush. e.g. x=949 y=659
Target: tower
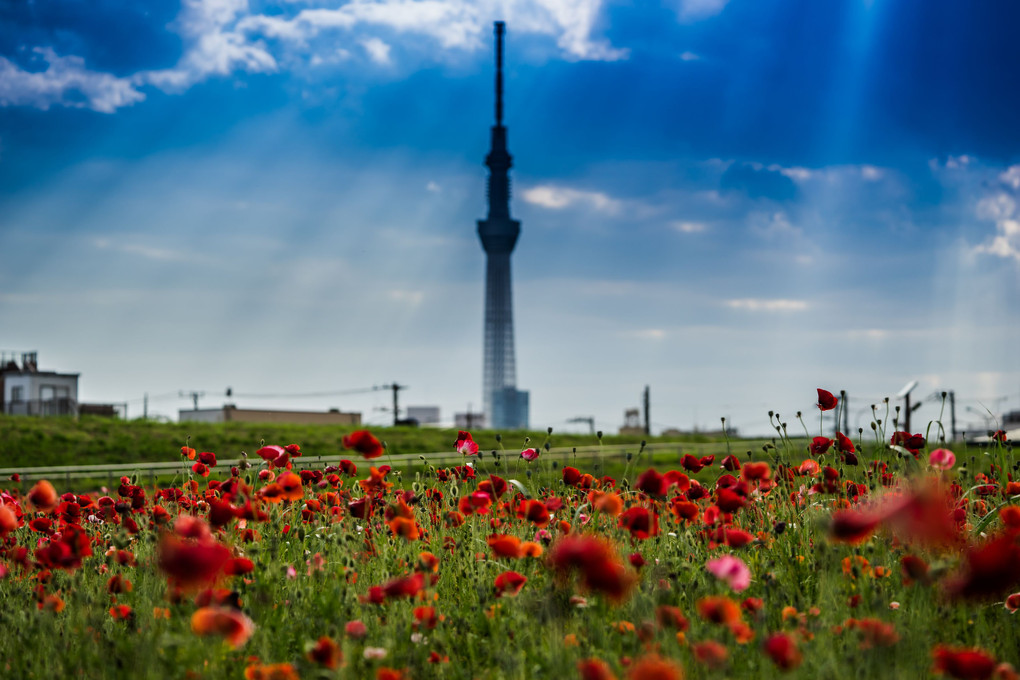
x=506 y=407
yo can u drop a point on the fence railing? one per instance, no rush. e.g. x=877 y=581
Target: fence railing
x=63 y=406
x=402 y=460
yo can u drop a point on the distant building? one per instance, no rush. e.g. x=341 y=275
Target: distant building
x=231 y=414
x=469 y=421
x=425 y=415
x=632 y=422
x=27 y=391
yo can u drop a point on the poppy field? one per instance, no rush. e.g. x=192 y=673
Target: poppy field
x=872 y=554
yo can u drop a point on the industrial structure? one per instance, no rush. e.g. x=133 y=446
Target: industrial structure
x=506 y=407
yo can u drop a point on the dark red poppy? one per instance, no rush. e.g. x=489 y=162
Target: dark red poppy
x=509 y=583
x=594 y=669
x=669 y=616
x=729 y=500
x=819 y=445
x=690 y=463
x=990 y=569
x=826 y=400
x=782 y=649
x=844 y=444
x=571 y=476
x=364 y=443
x=853 y=526
x=730 y=463
x=326 y=653
x=639 y=522
x=914 y=569
x=191 y=565
x=964 y=664
x=651 y=483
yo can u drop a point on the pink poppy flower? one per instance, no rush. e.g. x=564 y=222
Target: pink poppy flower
x=732 y=570
x=465 y=444
x=529 y=454
x=942 y=459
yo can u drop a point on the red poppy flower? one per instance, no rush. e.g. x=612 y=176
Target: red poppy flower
x=191 y=565
x=990 y=570
x=844 y=444
x=691 y=464
x=355 y=629
x=640 y=522
x=819 y=445
x=600 y=568
x=669 y=616
x=853 y=526
x=594 y=669
x=782 y=649
x=509 y=583
x=756 y=471
x=651 y=483
x=964 y=664
x=326 y=653
x=710 y=653
x=914 y=569
x=121 y=612
x=571 y=475
x=426 y=616
x=826 y=400
x=364 y=443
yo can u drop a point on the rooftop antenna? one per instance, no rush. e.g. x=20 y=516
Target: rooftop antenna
x=500 y=28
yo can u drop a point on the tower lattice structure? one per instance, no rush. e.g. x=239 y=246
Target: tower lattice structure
x=505 y=406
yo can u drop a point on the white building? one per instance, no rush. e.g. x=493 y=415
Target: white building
x=425 y=415
x=25 y=390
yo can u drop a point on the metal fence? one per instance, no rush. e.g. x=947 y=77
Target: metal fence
x=64 y=406
x=563 y=456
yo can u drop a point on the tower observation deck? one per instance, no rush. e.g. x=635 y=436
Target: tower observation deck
x=506 y=407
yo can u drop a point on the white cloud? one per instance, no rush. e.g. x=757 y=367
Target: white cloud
x=558 y=198
x=772 y=225
x=693 y=10
x=871 y=173
x=433 y=187
x=65 y=82
x=765 y=305
x=689 y=56
x=408 y=297
x=377 y=50
x=213 y=46
x=148 y=252
x=224 y=37
x=648 y=334
x=688 y=227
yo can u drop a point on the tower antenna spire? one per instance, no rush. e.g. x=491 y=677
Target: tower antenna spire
x=500 y=28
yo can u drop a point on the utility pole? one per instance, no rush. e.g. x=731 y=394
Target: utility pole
x=648 y=418
x=145 y=407
x=194 y=396
x=952 y=415
x=396 y=403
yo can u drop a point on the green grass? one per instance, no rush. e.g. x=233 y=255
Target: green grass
x=26 y=442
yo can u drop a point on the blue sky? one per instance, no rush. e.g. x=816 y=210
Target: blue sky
x=732 y=202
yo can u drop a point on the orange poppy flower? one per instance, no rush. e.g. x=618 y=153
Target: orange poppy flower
x=654 y=667
x=504 y=545
x=718 y=609
x=231 y=624
x=272 y=671
x=43 y=497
